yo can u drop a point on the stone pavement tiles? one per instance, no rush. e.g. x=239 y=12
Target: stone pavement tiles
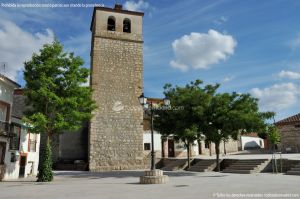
x=125 y=185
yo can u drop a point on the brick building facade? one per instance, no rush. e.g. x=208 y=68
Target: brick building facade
x=290 y=134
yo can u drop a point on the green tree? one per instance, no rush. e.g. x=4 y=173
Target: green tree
x=45 y=169
x=273 y=134
x=58 y=102
x=263 y=133
x=187 y=136
x=182 y=121
x=203 y=111
x=230 y=113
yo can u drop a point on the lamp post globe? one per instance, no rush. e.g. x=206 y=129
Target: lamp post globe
x=142 y=99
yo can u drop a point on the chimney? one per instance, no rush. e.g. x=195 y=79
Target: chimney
x=118 y=6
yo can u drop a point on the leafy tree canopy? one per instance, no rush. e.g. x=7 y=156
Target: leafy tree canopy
x=54 y=91
x=273 y=134
x=200 y=110
x=188 y=105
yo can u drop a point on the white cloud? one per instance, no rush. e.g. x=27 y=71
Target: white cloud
x=277 y=97
x=200 y=50
x=80 y=44
x=289 y=75
x=136 y=6
x=221 y=20
x=18 y=45
x=228 y=79
x=176 y=64
x=295 y=43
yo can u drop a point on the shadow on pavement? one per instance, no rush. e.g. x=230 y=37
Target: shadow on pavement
x=59 y=175
x=216 y=176
x=115 y=174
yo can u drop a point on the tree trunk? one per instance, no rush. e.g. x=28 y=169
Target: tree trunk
x=199 y=147
x=188 y=154
x=217 y=147
x=163 y=147
x=225 y=147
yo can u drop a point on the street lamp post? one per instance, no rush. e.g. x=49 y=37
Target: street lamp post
x=154 y=176
x=148 y=106
x=152 y=138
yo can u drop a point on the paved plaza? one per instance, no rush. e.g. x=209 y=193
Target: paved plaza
x=182 y=185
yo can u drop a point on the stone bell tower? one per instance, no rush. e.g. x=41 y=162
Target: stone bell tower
x=116 y=131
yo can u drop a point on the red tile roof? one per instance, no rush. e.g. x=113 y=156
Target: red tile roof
x=289 y=120
x=155 y=100
x=19 y=91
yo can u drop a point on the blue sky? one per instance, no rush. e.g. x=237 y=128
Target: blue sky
x=247 y=46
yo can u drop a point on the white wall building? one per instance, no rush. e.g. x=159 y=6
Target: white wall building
x=19 y=149
x=7 y=87
x=23 y=153
x=147 y=141
x=250 y=142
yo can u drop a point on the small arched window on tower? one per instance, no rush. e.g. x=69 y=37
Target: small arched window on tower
x=127 y=26
x=111 y=23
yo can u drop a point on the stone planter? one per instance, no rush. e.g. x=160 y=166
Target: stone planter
x=154 y=177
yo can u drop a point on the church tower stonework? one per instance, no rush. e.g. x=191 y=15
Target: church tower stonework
x=116 y=129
